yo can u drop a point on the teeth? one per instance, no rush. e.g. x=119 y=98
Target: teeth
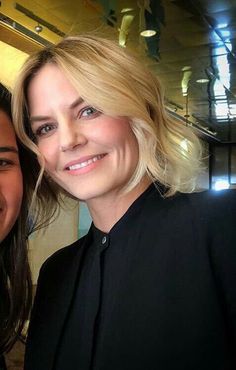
x=86 y=163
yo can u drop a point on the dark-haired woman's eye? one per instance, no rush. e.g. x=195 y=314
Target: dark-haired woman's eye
x=5 y=163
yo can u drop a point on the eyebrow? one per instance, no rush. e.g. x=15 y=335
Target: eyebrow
x=76 y=103
x=43 y=118
x=5 y=149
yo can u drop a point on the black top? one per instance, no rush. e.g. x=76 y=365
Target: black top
x=2 y=363
x=105 y=262
x=80 y=334
x=158 y=294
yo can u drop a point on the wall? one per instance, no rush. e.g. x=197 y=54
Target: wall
x=60 y=233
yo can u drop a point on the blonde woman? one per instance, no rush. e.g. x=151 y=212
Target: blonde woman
x=152 y=285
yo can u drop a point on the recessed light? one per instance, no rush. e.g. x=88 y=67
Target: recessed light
x=202 y=81
x=148 y=33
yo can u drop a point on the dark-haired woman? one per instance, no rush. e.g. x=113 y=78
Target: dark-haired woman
x=15 y=278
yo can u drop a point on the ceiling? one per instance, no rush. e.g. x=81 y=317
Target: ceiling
x=195 y=40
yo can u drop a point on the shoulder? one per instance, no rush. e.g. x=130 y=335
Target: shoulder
x=211 y=197
x=214 y=215
x=215 y=205
x=62 y=257
x=217 y=198
x=204 y=208
x=207 y=201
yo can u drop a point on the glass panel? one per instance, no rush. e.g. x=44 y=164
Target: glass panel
x=233 y=165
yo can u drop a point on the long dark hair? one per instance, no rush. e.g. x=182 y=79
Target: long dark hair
x=15 y=275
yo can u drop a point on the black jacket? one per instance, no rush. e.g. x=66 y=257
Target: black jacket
x=177 y=306
x=2 y=363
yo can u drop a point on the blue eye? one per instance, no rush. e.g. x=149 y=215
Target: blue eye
x=88 y=112
x=44 y=129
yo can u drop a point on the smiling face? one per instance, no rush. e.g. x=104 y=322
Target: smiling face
x=87 y=153
x=11 y=186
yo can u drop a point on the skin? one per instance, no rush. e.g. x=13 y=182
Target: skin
x=11 y=183
x=90 y=155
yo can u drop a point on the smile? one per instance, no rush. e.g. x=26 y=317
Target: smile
x=77 y=166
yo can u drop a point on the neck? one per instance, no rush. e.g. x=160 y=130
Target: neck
x=107 y=211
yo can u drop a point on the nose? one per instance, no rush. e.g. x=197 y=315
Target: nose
x=70 y=136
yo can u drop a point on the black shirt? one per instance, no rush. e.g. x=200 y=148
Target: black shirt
x=159 y=294
x=102 y=275
x=2 y=363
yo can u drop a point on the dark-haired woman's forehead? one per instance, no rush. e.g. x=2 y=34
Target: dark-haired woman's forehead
x=11 y=188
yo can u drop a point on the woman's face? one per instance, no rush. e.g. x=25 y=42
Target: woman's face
x=11 y=186
x=87 y=153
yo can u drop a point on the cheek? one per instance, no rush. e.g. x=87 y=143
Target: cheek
x=125 y=138
x=49 y=155
x=15 y=193
x=117 y=132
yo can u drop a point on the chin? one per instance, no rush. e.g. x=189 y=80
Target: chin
x=88 y=194
x=84 y=196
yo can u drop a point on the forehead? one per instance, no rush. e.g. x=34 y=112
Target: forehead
x=7 y=135
x=50 y=87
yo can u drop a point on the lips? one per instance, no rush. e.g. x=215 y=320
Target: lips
x=83 y=162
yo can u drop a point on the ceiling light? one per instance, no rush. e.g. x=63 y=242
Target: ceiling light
x=186 y=68
x=222 y=25
x=185 y=82
x=202 y=81
x=127 y=19
x=126 y=10
x=38 y=28
x=148 y=33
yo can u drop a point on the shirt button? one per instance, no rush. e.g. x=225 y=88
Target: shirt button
x=104 y=239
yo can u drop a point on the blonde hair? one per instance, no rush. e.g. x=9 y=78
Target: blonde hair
x=117 y=84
